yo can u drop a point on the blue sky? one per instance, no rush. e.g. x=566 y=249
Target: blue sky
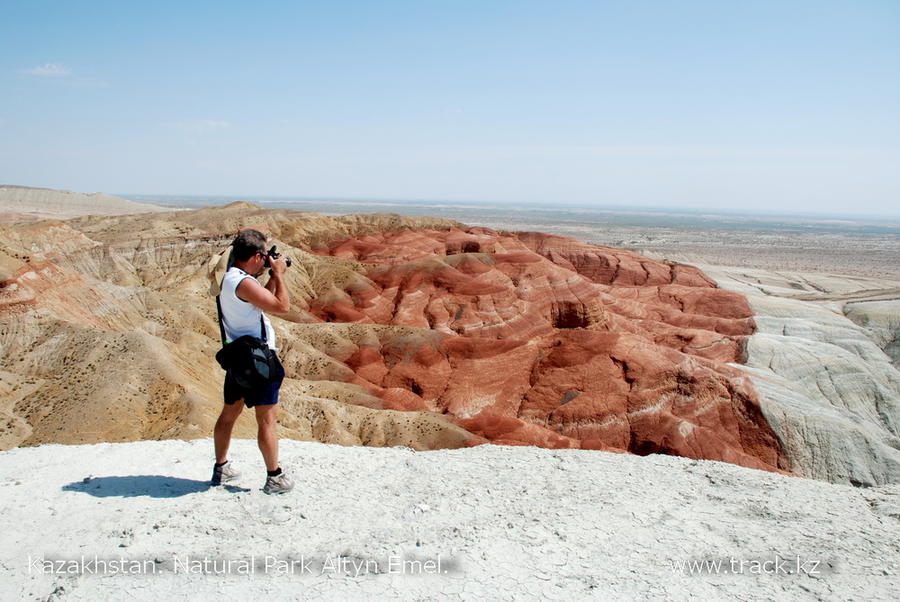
x=760 y=105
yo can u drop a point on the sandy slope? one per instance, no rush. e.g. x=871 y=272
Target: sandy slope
x=506 y=522
x=113 y=313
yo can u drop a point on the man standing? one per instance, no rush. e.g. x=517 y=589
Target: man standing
x=243 y=300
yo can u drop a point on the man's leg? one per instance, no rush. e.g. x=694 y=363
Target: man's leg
x=268 y=435
x=224 y=426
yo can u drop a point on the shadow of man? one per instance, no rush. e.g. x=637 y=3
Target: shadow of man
x=159 y=486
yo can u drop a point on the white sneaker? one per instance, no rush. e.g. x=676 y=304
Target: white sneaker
x=279 y=484
x=224 y=473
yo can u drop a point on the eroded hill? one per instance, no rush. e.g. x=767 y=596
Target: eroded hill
x=108 y=332
x=404 y=331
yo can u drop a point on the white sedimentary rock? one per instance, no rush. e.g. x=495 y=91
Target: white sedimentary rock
x=881 y=319
x=826 y=385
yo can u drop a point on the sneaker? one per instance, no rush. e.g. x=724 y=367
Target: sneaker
x=280 y=484
x=224 y=473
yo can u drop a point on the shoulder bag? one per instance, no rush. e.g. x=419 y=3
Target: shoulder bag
x=247 y=359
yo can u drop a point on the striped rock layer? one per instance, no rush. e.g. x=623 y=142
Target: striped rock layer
x=535 y=339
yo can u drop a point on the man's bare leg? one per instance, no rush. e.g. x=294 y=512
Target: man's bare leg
x=267 y=436
x=224 y=426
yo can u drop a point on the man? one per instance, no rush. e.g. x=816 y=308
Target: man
x=243 y=300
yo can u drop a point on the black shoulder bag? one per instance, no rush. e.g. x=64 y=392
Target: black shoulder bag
x=248 y=358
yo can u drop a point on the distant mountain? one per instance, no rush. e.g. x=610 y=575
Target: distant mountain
x=21 y=203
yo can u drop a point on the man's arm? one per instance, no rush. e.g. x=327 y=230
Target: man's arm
x=274 y=297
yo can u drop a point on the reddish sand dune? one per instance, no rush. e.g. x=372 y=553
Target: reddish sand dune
x=544 y=340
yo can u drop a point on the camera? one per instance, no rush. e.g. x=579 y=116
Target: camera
x=274 y=254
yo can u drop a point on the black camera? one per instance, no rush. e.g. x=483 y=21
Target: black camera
x=274 y=254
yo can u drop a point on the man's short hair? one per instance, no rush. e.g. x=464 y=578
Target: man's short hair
x=248 y=243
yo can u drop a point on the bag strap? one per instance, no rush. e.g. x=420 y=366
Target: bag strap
x=262 y=327
x=221 y=324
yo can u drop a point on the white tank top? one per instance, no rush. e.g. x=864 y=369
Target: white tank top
x=240 y=317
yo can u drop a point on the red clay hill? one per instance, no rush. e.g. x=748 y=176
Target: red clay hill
x=535 y=339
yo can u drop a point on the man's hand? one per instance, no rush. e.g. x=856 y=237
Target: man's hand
x=278 y=266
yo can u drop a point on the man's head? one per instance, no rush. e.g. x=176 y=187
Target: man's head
x=249 y=248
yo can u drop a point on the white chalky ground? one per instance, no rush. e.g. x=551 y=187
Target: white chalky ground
x=138 y=521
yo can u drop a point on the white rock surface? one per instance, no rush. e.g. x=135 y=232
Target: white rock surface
x=881 y=319
x=506 y=522
x=826 y=385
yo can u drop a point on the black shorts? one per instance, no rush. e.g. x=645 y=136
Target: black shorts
x=264 y=396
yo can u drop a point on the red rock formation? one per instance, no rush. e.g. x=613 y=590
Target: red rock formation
x=543 y=340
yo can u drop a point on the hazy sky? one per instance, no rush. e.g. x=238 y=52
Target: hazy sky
x=786 y=105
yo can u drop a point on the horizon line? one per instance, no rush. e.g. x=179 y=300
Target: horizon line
x=542 y=204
